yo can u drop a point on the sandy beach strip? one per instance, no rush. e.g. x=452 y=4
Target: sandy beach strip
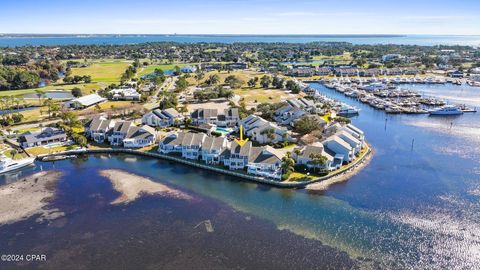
x=133 y=186
x=29 y=196
x=324 y=185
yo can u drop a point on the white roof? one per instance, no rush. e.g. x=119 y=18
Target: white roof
x=89 y=100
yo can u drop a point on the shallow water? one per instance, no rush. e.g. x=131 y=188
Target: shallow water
x=416 y=206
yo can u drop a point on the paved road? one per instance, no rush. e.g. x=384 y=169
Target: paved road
x=168 y=85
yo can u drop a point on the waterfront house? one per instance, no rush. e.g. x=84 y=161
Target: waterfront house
x=138 y=137
x=162 y=118
x=212 y=148
x=304 y=157
x=351 y=140
x=171 y=143
x=191 y=145
x=124 y=94
x=98 y=127
x=119 y=132
x=84 y=102
x=46 y=136
x=204 y=116
x=356 y=132
x=331 y=129
x=341 y=148
x=265 y=162
x=237 y=156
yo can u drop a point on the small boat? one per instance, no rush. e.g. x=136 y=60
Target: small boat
x=447 y=110
x=8 y=164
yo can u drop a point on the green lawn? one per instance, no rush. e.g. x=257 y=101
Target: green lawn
x=103 y=71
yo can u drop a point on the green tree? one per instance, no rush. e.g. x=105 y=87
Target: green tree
x=76 y=92
x=307 y=124
x=288 y=164
x=252 y=83
x=265 y=81
x=181 y=84
x=317 y=160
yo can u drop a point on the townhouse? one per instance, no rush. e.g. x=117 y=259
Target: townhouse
x=307 y=156
x=96 y=128
x=119 y=133
x=162 y=118
x=263 y=131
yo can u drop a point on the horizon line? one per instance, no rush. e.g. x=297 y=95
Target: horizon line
x=224 y=34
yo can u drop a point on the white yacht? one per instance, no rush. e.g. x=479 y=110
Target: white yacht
x=8 y=164
x=347 y=111
x=447 y=110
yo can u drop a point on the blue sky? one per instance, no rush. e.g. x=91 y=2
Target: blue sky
x=461 y=17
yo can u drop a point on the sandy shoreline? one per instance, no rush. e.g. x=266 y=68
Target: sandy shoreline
x=132 y=186
x=29 y=196
x=324 y=185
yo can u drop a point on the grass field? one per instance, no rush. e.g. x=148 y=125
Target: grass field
x=254 y=97
x=108 y=71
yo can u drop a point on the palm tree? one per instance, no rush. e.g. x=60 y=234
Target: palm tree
x=40 y=94
x=288 y=164
x=318 y=160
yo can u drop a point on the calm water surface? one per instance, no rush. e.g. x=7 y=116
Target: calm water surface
x=416 y=206
x=427 y=40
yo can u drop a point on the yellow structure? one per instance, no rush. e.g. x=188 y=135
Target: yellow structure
x=241 y=141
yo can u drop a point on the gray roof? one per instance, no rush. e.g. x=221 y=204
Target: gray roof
x=144 y=132
x=241 y=150
x=45 y=135
x=258 y=155
x=122 y=126
x=232 y=113
x=213 y=143
x=204 y=113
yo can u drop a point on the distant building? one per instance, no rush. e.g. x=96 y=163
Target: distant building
x=188 y=69
x=85 y=101
x=238 y=65
x=456 y=74
x=124 y=94
x=390 y=57
x=162 y=118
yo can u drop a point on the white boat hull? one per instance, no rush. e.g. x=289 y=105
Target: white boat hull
x=17 y=164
